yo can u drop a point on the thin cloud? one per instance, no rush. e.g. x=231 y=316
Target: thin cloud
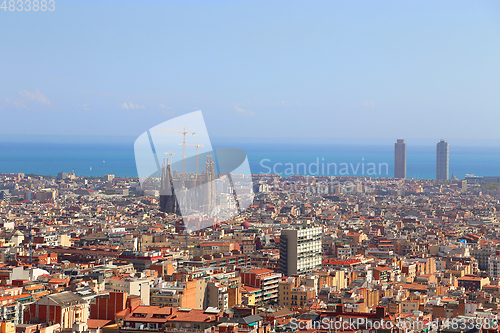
x=84 y=106
x=369 y=103
x=25 y=99
x=131 y=106
x=244 y=113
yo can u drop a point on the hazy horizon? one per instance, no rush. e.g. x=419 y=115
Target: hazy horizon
x=128 y=139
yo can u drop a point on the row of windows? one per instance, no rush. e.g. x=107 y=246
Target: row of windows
x=295 y=297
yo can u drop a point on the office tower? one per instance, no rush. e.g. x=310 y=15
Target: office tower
x=442 y=160
x=300 y=250
x=400 y=159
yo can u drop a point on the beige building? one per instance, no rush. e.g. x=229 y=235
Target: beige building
x=132 y=286
x=217 y=295
x=188 y=294
x=292 y=294
x=63 y=308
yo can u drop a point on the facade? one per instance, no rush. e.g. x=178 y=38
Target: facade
x=108 y=178
x=300 y=250
x=131 y=286
x=217 y=295
x=141 y=259
x=264 y=280
x=494 y=266
x=106 y=306
x=212 y=248
x=292 y=294
x=5 y=195
x=472 y=283
x=442 y=160
x=247 y=245
x=219 y=260
x=482 y=256
x=187 y=294
x=400 y=159
x=12 y=307
x=63 y=308
x=168 y=319
x=234 y=291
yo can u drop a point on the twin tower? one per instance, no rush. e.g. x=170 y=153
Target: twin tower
x=442 y=160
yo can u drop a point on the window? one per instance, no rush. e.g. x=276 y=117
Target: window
x=139 y=315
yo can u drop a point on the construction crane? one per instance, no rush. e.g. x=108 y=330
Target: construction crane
x=170 y=160
x=197 y=146
x=183 y=143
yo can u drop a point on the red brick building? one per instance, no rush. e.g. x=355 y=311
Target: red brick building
x=106 y=306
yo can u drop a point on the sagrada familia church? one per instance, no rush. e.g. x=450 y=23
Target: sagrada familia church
x=188 y=194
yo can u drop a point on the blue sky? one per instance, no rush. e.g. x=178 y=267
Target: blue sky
x=334 y=69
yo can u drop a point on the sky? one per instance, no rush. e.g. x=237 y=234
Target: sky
x=256 y=69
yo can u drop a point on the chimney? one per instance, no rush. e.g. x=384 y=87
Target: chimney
x=339 y=308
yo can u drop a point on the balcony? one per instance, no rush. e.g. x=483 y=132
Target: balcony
x=268 y=287
x=270 y=279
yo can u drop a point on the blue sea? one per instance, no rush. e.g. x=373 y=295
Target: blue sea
x=96 y=157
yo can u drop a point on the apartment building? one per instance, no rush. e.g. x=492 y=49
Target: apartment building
x=300 y=250
x=265 y=279
x=292 y=294
x=184 y=294
x=132 y=286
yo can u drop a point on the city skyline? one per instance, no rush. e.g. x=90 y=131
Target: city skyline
x=249 y=166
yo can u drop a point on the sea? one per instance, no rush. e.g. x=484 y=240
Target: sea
x=98 y=156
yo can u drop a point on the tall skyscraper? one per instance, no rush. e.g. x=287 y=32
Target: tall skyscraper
x=400 y=159
x=300 y=250
x=442 y=160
